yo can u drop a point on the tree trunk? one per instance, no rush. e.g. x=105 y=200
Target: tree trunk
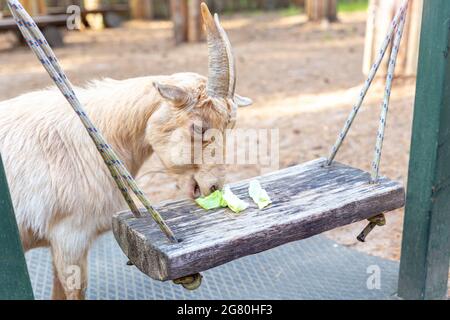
x=298 y=3
x=380 y=16
x=178 y=10
x=141 y=9
x=194 y=21
x=319 y=10
x=187 y=20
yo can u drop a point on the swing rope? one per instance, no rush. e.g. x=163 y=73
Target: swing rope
x=396 y=28
x=39 y=45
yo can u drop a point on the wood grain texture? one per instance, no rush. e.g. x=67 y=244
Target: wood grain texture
x=308 y=199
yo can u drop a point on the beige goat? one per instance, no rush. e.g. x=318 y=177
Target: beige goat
x=62 y=191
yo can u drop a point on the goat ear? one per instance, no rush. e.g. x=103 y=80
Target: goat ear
x=242 y=101
x=176 y=95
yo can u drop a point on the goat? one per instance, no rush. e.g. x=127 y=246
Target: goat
x=61 y=189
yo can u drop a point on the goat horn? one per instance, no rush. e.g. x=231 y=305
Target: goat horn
x=221 y=70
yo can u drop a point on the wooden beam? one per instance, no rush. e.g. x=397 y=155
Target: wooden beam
x=141 y=9
x=14 y=280
x=8 y=24
x=308 y=199
x=425 y=256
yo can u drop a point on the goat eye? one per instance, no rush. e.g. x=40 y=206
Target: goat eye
x=198 y=129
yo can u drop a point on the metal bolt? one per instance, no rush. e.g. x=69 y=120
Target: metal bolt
x=378 y=220
x=190 y=282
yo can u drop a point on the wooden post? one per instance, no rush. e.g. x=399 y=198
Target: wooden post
x=178 y=9
x=141 y=9
x=380 y=15
x=299 y=3
x=319 y=10
x=187 y=21
x=14 y=280
x=35 y=7
x=194 y=21
x=425 y=256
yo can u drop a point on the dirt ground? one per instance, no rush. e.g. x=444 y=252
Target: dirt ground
x=303 y=79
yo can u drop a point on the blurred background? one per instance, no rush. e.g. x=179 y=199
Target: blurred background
x=301 y=61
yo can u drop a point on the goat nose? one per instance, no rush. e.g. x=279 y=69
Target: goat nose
x=213 y=188
x=197 y=193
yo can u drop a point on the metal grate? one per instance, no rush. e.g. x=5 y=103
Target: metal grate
x=315 y=268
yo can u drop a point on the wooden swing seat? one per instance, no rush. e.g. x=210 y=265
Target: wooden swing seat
x=308 y=199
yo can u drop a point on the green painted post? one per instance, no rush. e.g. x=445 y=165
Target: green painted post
x=425 y=257
x=14 y=280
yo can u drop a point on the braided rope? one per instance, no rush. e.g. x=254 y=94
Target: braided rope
x=396 y=25
x=39 y=45
x=387 y=96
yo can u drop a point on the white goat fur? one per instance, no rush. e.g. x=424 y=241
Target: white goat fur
x=62 y=192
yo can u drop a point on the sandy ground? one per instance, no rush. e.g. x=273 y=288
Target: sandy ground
x=302 y=78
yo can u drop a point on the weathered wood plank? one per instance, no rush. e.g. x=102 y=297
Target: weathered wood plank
x=308 y=199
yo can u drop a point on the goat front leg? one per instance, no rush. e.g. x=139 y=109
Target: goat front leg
x=70 y=272
x=57 y=290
